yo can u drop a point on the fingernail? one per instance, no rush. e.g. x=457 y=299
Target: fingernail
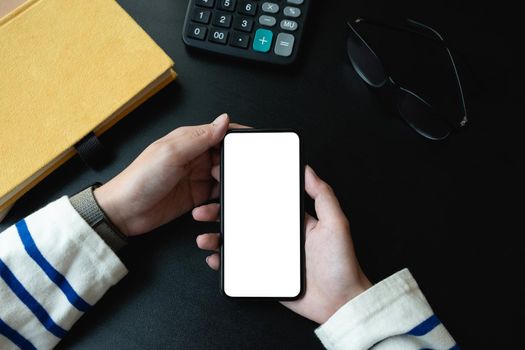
x=219 y=119
x=207 y=258
x=311 y=170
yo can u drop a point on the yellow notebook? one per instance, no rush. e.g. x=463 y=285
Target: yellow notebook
x=67 y=68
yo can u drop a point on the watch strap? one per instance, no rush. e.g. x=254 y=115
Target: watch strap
x=87 y=206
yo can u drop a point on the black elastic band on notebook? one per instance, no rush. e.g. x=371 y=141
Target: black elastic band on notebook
x=91 y=150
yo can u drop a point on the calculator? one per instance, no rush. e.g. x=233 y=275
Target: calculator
x=267 y=31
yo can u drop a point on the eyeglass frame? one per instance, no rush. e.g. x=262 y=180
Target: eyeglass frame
x=432 y=35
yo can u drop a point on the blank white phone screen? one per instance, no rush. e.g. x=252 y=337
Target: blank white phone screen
x=262 y=219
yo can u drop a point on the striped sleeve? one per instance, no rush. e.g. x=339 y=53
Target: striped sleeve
x=393 y=314
x=53 y=268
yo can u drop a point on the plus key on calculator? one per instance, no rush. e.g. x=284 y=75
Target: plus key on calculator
x=268 y=31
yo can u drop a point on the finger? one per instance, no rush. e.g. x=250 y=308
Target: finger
x=327 y=206
x=214 y=261
x=238 y=126
x=309 y=222
x=215 y=191
x=188 y=142
x=208 y=241
x=233 y=126
x=215 y=156
x=208 y=212
x=216 y=172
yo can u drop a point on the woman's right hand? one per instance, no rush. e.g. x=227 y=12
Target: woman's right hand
x=333 y=274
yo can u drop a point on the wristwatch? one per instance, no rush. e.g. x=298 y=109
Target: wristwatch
x=87 y=206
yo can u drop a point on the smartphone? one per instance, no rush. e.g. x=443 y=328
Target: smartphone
x=262 y=215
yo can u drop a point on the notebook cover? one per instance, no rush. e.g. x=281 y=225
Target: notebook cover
x=66 y=66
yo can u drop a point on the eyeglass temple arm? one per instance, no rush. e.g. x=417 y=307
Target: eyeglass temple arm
x=420 y=25
x=397 y=25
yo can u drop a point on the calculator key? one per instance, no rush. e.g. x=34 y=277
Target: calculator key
x=248 y=8
x=292 y=11
x=197 y=32
x=240 y=40
x=263 y=40
x=243 y=23
x=270 y=7
x=284 y=44
x=218 y=36
x=222 y=20
x=295 y=2
x=268 y=21
x=288 y=24
x=227 y=5
x=204 y=3
x=201 y=16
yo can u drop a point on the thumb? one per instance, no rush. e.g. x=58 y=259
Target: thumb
x=327 y=206
x=191 y=141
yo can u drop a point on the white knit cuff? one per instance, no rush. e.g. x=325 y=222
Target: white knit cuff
x=391 y=307
x=75 y=249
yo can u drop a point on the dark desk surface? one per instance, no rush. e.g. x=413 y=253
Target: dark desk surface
x=441 y=209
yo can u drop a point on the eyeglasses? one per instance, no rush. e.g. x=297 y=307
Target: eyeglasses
x=412 y=108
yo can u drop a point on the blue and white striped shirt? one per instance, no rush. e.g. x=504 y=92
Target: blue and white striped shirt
x=53 y=268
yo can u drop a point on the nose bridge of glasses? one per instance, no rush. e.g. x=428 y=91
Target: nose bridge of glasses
x=364 y=60
x=389 y=92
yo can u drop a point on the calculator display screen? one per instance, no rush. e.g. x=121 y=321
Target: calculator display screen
x=262 y=218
